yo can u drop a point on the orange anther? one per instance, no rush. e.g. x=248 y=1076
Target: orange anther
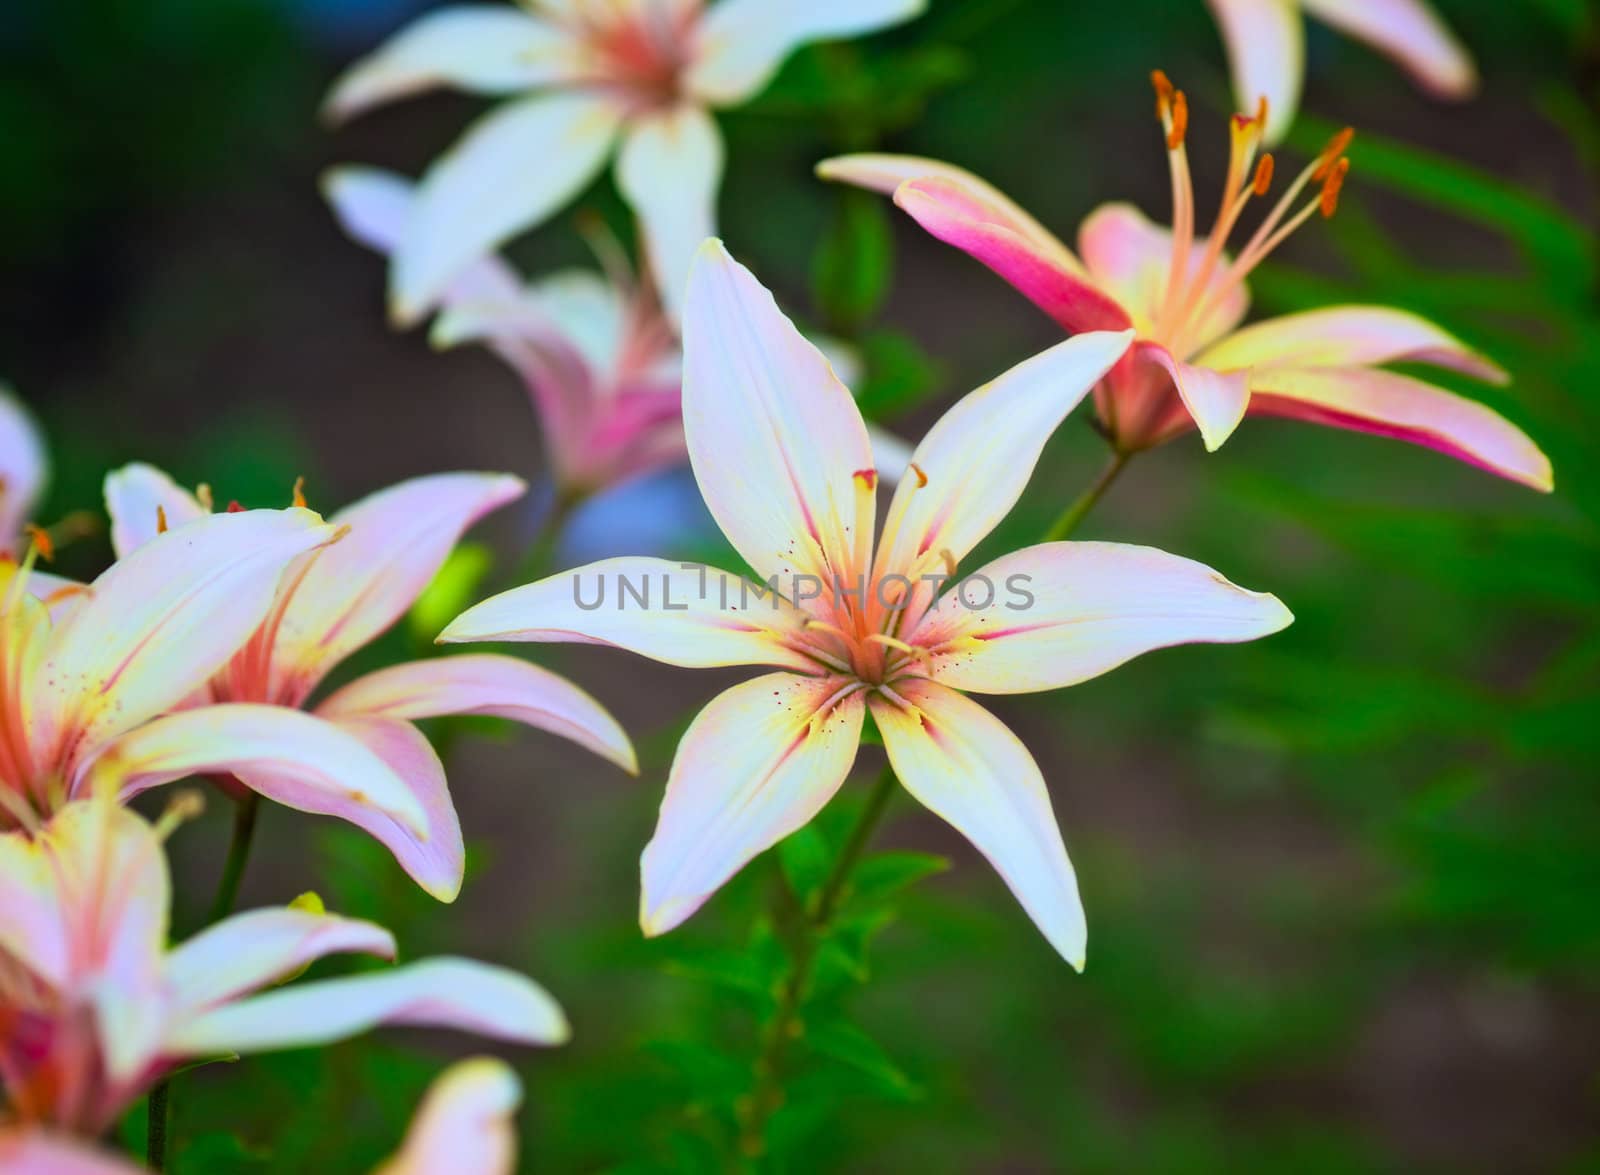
x=161 y=519
x=41 y=540
x=1332 y=152
x=1331 y=186
x=300 y=492
x=1180 y=121
x=1163 y=86
x=1263 y=179
x=922 y=478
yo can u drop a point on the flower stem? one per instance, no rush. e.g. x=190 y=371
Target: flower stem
x=158 y=1105
x=244 y=831
x=1068 y=520
x=155 y=1147
x=815 y=920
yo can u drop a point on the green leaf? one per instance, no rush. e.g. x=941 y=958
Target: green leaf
x=884 y=875
x=806 y=859
x=452 y=590
x=900 y=375
x=844 y=1042
x=851 y=267
x=747 y=972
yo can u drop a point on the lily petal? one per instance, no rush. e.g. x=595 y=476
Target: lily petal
x=683 y=614
x=483 y=48
x=33 y=1151
x=965 y=765
x=1130 y=256
x=24 y=465
x=272 y=742
x=1216 y=400
x=464 y=1123
x=374 y=206
x=511 y=170
x=1266 y=43
x=485 y=683
x=1411 y=34
x=976 y=460
x=1393 y=405
x=88 y=895
x=776 y=441
x=398 y=539
x=435 y=993
x=741 y=43
x=756 y=764
x=138 y=498
x=1041 y=268
x=250 y=951
x=1349 y=336
x=1061 y=613
x=158 y=623
x=669 y=170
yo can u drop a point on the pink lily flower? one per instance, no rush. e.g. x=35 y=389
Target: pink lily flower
x=333 y=604
x=599 y=359
x=1265 y=40
x=463 y=1126
x=634 y=77
x=784 y=462
x=89 y=672
x=24 y=466
x=1193 y=366
x=96 y=1008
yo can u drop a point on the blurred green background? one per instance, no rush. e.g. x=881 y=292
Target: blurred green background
x=1342 y=885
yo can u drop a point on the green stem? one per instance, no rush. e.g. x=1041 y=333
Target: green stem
x=786 y=1025
x=244 y=831
x=158 y=1105
x=155 y=1149
x=1069 y=518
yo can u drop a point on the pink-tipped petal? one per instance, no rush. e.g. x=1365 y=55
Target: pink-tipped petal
x=740 y=44
x=1130 y=257
x=1349 y=336
x=1389 y=404
x=681 y=613
x=374 y=207
x=1060 y=613
x=1266 y=44
x=435 y=993
x=483 y=48
x=464 y=1124
x=1411 y=34
x=776 y=441
x=1040 y=267
x=485 y=683
x=964 y=764
x=669 y=170
x=28 y=1150
x=158 y=623
x=250 y=951
x=142 y=502
x=511 y=170
x=1215 y=400
x=756 y=764
x=398 y=538
x=974 y=463
x=24 y=465
x=271 y=742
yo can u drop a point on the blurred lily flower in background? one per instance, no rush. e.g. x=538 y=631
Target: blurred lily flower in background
x=1193 y=366
x=24 y=465
x=785 y=464
x=636 y=78
x=97 y=1008
x=332 y=604
x=1265 y=40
